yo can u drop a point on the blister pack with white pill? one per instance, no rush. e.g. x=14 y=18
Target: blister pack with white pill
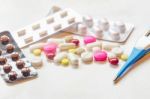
x=52 y=24
x=13 y=64
x=104 y=29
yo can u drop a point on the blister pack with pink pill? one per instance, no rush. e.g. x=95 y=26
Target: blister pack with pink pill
x=104 y=29
x=14 y=65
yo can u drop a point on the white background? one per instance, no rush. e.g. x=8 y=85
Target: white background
x=89 y=81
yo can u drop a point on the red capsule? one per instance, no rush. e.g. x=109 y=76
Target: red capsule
x=50 y=55
x=75 y=41
x=113 y=61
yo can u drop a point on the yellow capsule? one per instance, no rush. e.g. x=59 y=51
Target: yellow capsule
x=124 y=57
x=65 y=62
x=72 y=51
x=37 y=52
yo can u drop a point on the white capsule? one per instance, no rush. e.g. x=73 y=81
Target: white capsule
x=117 y=51
x=66 y=46
x=111 y=55
x=87 y=57
x=108 y=46
x=114 y=34
x=88 y=20
x=120 y=27
x=56 y=41
x=59 y=57
x=36 y=62
x=94 y=44
x=36 y=46
x=73 y=60
x=82 y=29
x=80 y=50
x=95 y=49
x=104 y=24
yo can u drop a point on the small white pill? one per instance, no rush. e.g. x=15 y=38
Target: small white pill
x=117 y=51
x=21 y=32
x=56 y=41
x=43 y=33
x=82 y=29
x=36 y=62
x=28 y=39
x=90 y=46
x=88 y=20
x=120 y=27
x=108 y=46
x=95 y=49
x=114 y=34
x=87 y=57
x=59 y=57
x=36 y=46
x=36 y=26
x=98 y=31
x=55 y=9
x=66 y=46
x=80 y=50
x=104 y=24
x=73 y=60
x=57 y=27
x=111 y=55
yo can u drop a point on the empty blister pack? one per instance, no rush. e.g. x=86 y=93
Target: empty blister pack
x=52 y=24
x=13 y=64
x=105 y=29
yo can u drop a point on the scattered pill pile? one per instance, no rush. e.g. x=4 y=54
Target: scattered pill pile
x=71 y=50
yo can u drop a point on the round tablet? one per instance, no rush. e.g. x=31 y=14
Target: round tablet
x=65 y=62
x=3 y=60
x=4 y=39
x=98 y=32
x=114 y=34
x=15 y=56
x=25 y=71
x=20 y=64
x=37 y=52
x=12 y=76
x=120 y=26
x=113 y=61
x=100 y=56
x=117 y=51
x=37 y=62
x=87 y=57
x=124 y=57
x=103 y=24
x=10 y=48
x=7 y=68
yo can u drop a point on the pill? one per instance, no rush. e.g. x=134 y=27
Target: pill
x=89 y=39
x=37 y=52
x=71 y=20
x=113 y=61
x=82 y=29
x=68 y=38
x=36 y=62
x=95 y=49
x=88 y=20
x=103 y=24
x=111 y=55
x=73 y=59
x=65 y=62
x=80 y=50
x=124 y=57
x=50 y=48
x=59 y=57
x=43 y=33
x=98 y=31
x=66 y=46
x=21 y=32
x=108 y=46
x=57 y=27
x=120 y=27
x=55 y=41
x=36 y=46
x=114 y=34
x=28 y=39
x=72 y=50
x=50 y=56
x=90 y=46
x=100 y=56
x=75 y=41
x=117 y=51
x=87 y=57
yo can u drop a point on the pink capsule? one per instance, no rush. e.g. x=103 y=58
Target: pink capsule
x=89 y=39
x=50 y=48
x=100 y=56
